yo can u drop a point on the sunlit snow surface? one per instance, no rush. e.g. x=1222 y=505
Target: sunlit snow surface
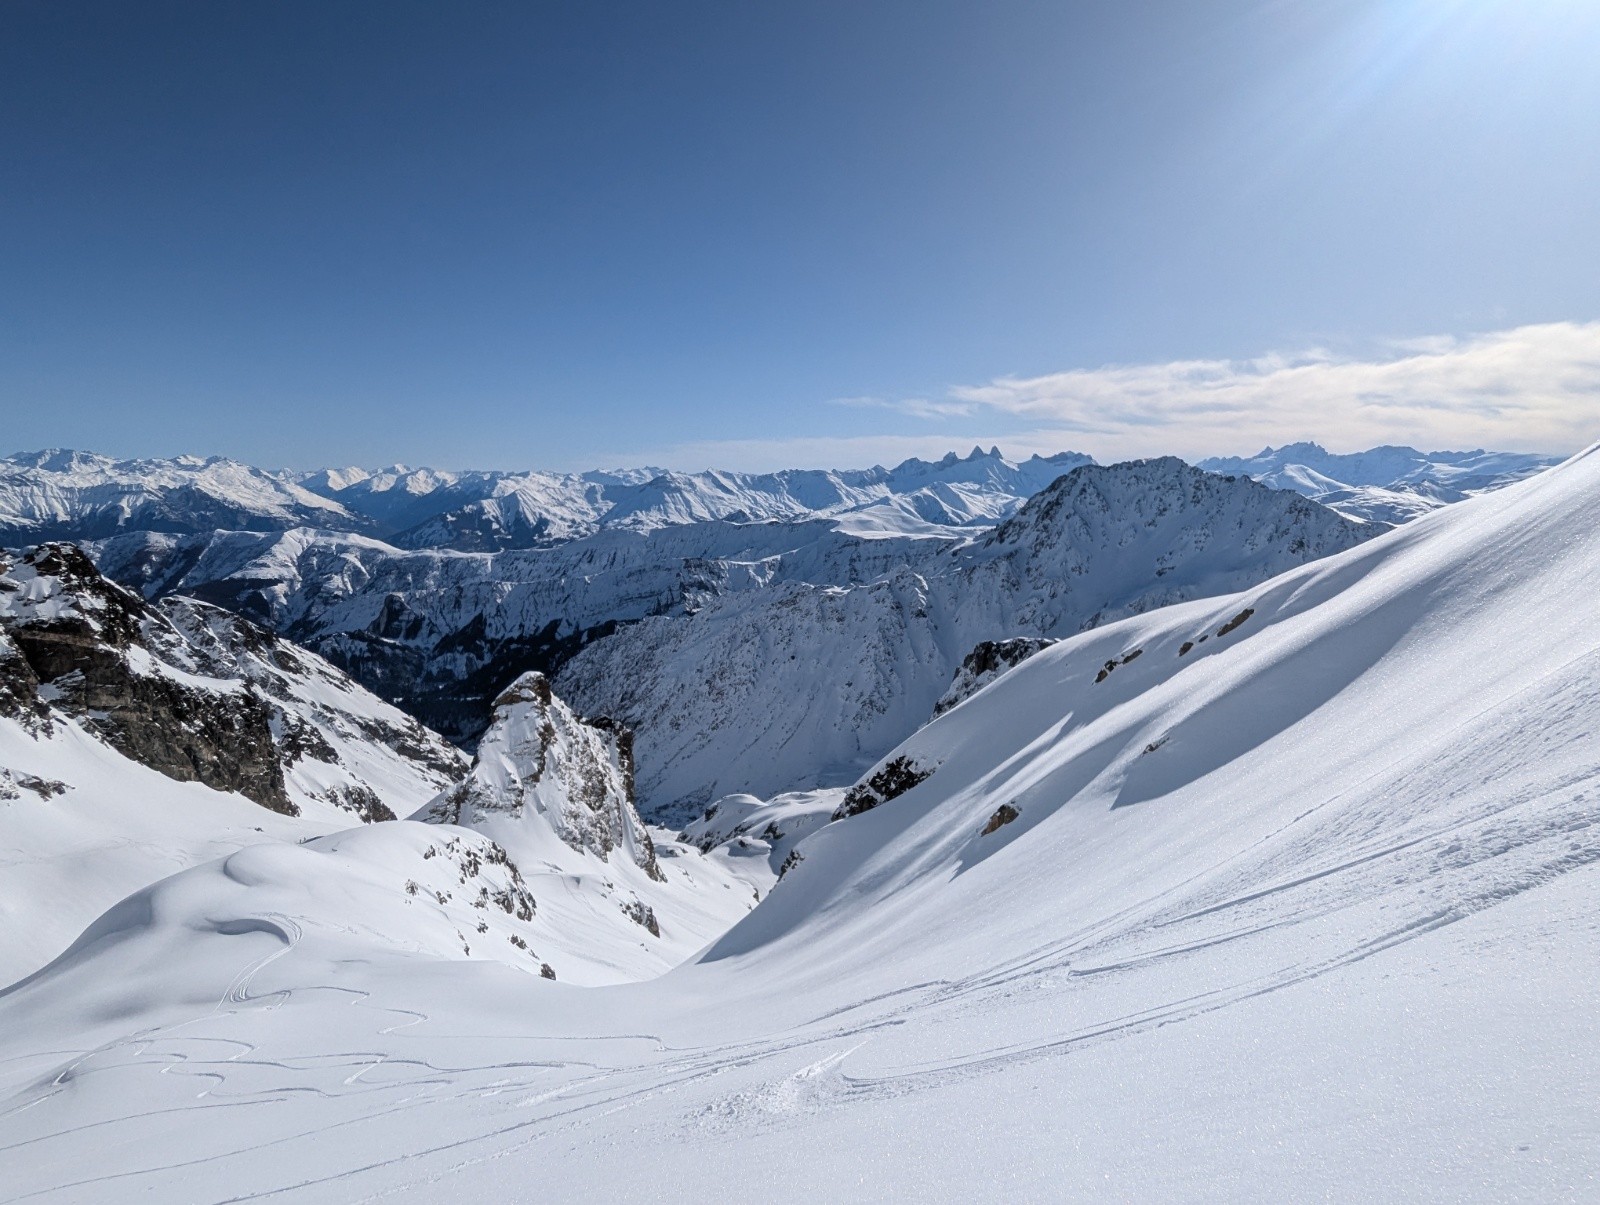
x=1311 y=910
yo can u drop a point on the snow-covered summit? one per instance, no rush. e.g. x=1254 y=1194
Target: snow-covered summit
x=1391 y=484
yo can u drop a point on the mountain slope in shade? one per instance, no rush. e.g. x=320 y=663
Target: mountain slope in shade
x=1386 y=484
x=802 y=686
x=1304 y=908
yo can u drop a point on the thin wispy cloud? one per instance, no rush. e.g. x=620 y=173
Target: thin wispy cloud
x=1531 y=388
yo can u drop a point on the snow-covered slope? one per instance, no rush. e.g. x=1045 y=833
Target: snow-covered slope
x=804 y=685
x=138 y=739
x=1306 y=909
x=1386 y=484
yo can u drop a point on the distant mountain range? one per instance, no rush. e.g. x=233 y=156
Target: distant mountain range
x=82 y=496
x=78 y=495
x=702 y=608
x=1386 y=484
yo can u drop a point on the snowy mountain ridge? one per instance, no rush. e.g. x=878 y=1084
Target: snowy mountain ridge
x=199 y=694
x=60 y=494
x=1389 y=484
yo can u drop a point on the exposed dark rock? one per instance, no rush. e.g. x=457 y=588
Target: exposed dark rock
x=641 y=913
x=222 y=738
x=1003 y=815
x=892 y=780
x=1109 y=666
x=794 y=859
x=986 y=662
x=1238 y=619
x=19 y=691
x=13 y=783
x=299 y=740
x=363 y=801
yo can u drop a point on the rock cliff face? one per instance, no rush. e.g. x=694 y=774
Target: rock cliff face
x=85 y=640
x=540 y=765
x=203 y=696
x=19 y=688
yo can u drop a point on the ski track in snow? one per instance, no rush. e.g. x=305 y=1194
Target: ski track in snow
x=821 y=1049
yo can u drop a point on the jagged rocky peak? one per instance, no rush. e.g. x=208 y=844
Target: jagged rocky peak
x=986 y=662
x=201 y=695
x=540 y=762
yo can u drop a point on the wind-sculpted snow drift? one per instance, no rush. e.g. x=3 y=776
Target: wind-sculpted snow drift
x=138 y=738
x=1285 y=893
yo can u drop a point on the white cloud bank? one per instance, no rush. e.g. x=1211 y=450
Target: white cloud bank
x=1532 y=388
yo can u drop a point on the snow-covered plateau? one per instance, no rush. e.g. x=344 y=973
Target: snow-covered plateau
x=1272 y=876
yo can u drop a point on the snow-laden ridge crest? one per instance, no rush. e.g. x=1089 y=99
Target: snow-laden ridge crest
x=1390 y=484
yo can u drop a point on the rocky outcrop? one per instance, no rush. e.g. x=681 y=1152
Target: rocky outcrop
x=19 y=689
x=986 y=662
x=889 y=781
x=85 y=640
x=201 y=695
x=541 y=764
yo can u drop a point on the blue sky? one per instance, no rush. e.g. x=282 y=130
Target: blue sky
x=558 y=235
